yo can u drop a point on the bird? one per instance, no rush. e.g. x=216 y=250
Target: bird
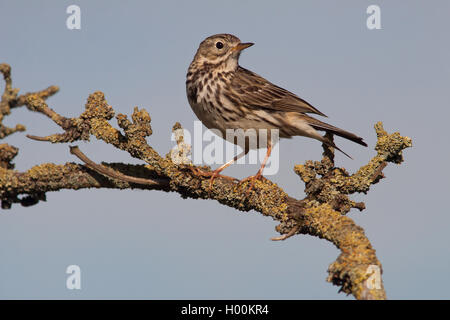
x=224 y=95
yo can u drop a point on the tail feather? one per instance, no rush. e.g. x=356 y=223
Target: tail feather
x=322 y=126
x=333 y=145
x=319 y=125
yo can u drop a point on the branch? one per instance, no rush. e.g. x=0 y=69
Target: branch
x=115 y=174
x=11 y=99
x=321 y=213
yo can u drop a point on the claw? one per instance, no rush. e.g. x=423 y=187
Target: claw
x=258 y=175
x=214 y=174
x=252 y=180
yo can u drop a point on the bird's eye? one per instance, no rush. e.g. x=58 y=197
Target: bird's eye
x=219 y=45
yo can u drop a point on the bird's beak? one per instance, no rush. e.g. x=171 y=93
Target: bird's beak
x=242 y=46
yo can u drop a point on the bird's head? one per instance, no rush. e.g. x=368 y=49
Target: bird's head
x=221 y=49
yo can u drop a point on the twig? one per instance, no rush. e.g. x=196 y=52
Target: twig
x=292 y=232
x=37 y=138
x=378 y=174
x=114 y=174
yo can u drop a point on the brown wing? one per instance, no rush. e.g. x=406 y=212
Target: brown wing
x=256 y=92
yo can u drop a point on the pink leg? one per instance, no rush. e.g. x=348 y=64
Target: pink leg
x=226 y=165
x=258 y=175
x=216 y=173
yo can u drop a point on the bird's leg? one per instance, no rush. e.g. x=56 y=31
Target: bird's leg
x=216 y=173
x=202 y=173
x=258 y=175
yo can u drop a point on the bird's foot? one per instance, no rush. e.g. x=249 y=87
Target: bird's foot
x=252 y=180
x=213 y=174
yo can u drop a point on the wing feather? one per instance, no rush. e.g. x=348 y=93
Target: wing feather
x=256 y=92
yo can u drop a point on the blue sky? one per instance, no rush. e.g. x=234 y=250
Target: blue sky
x=137 y=244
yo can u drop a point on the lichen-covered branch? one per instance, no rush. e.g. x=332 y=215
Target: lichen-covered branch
x=321 y=213
x=11 y=99
x=117 y=175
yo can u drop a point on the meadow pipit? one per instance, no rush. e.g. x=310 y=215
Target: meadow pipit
x=225 y=96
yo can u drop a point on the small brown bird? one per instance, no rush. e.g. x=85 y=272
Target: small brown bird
x=225 y=96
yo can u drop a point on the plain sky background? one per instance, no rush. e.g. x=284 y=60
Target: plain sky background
x=138 y=244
